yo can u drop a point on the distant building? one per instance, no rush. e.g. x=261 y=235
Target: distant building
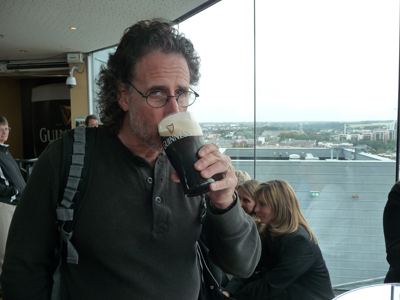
x=344 y=137
x=393 y=125
x=356 y=137
x=390 y=134
x=221 y=143
x=330 y=145
x=297 y=143
x=378 y=136
x=367 y=136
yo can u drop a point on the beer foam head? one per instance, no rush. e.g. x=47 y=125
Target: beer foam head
x=179 y=122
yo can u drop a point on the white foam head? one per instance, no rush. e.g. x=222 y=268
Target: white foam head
x=179 y=122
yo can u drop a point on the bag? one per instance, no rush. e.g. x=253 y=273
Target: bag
x=210 y=288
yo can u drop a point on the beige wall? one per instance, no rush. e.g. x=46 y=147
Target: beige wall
x=79 y=94
x=10 y=107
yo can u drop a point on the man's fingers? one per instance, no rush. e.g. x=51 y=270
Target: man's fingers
x=207 y=149
x=218 y=167
x=223 y=184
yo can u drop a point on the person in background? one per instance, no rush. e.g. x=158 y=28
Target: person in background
x=246 y=194
x=291 y=265
x=241 y=176
x=391 y=229
x=136 y=233
x=11 y=186
x=92 y=121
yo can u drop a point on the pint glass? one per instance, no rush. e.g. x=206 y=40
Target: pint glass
x=182 y=138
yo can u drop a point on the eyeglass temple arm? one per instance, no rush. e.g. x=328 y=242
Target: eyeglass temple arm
x=138 y=91
x=197 y=95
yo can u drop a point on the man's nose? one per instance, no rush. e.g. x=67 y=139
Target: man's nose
x=172 y=106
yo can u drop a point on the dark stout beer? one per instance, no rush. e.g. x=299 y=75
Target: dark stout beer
x=182 y=138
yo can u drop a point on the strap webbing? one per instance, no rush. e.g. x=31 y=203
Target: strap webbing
x=65 y=210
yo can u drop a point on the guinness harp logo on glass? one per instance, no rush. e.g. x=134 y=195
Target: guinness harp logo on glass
x=170 y=128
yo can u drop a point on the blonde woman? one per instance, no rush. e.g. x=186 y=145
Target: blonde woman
x=246 y=194
x=291 y=265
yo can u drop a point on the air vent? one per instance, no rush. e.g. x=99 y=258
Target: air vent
x=36 y=66
x=41 y=68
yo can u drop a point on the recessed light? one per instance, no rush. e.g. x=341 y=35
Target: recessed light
x=73 y=28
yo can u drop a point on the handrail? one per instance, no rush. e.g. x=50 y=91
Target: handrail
x=28 y=165
x=354 y=284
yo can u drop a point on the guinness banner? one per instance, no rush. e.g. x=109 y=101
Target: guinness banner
x=51 y=114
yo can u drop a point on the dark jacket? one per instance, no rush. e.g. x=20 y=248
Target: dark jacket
x=11 y=181
x=391 y=226
x=291 y=267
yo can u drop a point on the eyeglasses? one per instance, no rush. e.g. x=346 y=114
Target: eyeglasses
x=158 y=99
x=7 y=129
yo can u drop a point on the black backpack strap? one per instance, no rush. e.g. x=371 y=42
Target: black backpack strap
x=78 y=146
x=75 y=176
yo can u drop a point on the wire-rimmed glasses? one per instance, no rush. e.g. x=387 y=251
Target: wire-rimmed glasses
x=6 y=129
x=158 y=99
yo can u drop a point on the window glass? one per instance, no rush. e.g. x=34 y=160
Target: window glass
x=97 y=59
x=223 y=36
x=326 y=105
x=325 y=109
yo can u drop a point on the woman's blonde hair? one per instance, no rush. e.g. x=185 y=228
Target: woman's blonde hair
x=250 y=186
x=241 y=176
x=286 y=211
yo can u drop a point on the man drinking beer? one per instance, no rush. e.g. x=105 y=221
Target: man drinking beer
x=136 y=231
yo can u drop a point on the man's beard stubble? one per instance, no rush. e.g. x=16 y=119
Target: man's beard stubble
x=143 y=129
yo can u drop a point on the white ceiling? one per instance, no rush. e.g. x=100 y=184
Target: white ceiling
x=42 y=27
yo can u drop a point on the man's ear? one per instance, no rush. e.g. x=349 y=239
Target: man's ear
x=123 y=96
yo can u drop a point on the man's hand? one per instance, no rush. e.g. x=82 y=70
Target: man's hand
x=226 y=293
x=213 y=163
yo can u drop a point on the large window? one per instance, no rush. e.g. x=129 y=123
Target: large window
x=324 y=109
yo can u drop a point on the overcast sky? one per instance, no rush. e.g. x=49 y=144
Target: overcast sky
x=315 y=60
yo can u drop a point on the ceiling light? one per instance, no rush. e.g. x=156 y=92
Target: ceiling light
x=23 y=51
x=73 y=28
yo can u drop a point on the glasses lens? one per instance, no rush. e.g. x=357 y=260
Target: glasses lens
x=157 y=99
x=186 y=99
x=7 y=129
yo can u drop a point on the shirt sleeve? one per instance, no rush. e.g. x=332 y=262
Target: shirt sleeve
x=7 y=188
x=296 y=258
x=235 y=284
x=30 y=260
x=235 y=244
